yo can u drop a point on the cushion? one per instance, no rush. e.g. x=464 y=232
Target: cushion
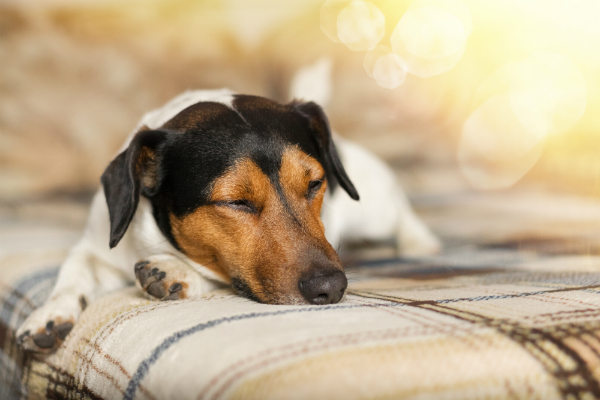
x=481 y=321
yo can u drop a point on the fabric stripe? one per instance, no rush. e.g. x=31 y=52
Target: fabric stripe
x=145 y=365
x=568 y=367
x=237 y=372
x=27 y=294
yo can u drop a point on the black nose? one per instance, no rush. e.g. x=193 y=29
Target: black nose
x=324 y=289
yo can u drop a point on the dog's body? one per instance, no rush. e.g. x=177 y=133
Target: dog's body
x=184 y=244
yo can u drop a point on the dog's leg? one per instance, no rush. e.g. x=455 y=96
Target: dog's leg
x=81 y=278
x=414 y=239
x=166 y=277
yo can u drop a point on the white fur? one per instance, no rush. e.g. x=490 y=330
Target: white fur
x=383 y=211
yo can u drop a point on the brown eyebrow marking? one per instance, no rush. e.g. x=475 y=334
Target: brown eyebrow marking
x=298 y=169
x=244 y=180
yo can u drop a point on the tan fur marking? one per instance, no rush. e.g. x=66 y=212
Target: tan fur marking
x=243 y=182
x=298 y=169
x=147 y=167
x=271 y=249
x=183 y=292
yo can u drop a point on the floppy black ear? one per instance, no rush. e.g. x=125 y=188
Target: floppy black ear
x=319 y=124
x=125 y=177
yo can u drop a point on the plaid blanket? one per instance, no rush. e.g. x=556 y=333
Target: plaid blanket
x=518 y=319
x=503 y=326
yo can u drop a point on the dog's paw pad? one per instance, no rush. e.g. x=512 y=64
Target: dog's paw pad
x=156 y=282
x=62 y=330
x=156 y=289
x=174 y=291
x=45 y=339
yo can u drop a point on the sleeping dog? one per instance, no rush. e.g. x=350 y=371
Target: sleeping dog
x=216 y=188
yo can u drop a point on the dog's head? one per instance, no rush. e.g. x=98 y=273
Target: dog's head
x=239 y=190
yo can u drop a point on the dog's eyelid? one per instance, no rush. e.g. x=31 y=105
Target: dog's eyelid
x=313 y=187
x=239 y=204
x=316 y=182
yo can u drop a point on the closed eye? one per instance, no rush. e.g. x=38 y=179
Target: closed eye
x=313 y=188
x=240 y=205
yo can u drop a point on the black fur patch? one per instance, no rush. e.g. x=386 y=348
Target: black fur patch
x=198 y=146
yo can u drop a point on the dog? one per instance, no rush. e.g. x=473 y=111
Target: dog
x=220 y=189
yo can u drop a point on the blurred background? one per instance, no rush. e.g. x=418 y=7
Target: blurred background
x=483 y=108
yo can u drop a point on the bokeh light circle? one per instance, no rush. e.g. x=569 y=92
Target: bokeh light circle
x=389 y=71
x=494 y=131
x=548 y=92
x=495 y=149
x=373 y=55
x=422 y=67
x=431 y=33
x=431 y=36
x=486 y=174
x=328 y=18
x=360 y=25
x=454 y=7
x=515 y=109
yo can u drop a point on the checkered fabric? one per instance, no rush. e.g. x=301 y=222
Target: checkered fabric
x=492 y=324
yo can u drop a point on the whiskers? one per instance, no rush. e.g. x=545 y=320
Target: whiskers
x=351 y=275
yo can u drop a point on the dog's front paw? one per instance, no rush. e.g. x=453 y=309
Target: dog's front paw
x=163 y=277
x=45 y=339
x=48 y=326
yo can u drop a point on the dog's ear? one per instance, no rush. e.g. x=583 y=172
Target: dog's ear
x=132 y=172
x=319 y=125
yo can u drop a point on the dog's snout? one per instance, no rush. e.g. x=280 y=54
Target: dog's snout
x=324 y=289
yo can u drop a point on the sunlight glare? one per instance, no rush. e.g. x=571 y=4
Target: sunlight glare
x=515 y=109
x=431 y=36
x=548 y=93
x=360 y=25
x=389 y=71
x=431 y=33
x=494 y=131
x=373 y=55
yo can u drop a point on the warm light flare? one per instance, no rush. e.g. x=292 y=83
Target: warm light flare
x=431 y=33
x=373 y=55
x=494 y=131
x=526 y=101
x=428 y=40
x=431 y=36
x=548 y=93
x=389 y=71
x=360 y=25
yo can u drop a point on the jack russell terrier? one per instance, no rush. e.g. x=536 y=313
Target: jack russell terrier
x=216 y=188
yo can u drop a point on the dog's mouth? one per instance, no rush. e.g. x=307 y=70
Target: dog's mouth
x=243 y=289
